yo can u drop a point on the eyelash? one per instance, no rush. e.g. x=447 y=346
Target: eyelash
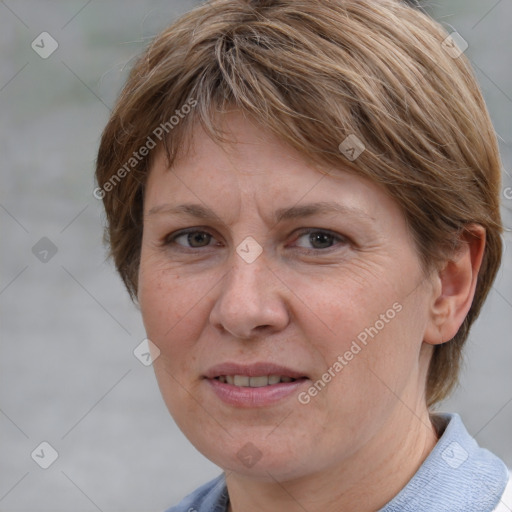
x=170 y=240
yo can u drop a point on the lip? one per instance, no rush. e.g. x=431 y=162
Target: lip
x=252 y=370
x=247 y=397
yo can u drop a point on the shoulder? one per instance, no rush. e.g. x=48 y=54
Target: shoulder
x=505 y=504
x=210 y=497
x=458 y=475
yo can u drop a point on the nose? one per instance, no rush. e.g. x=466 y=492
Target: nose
x=251 y=300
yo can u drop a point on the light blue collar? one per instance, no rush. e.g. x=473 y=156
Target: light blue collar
x=457 y=476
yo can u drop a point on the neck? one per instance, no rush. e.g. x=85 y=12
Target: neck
x=365 y=482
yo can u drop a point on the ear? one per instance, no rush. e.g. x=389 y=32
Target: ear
x=454 y=287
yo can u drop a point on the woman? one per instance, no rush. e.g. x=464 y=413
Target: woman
x=303 y=197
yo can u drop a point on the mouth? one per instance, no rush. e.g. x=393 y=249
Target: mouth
x=260 y=381
x=255 y=385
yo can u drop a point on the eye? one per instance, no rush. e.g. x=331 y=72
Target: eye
x=319 y=239
x=191 y=239
x=311 y=239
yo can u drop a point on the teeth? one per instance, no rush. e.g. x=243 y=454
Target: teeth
x=274 y=379
x=241 y=380
x=253 y=382
x=258 y=382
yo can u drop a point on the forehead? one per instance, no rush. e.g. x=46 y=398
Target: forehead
x=254 y=168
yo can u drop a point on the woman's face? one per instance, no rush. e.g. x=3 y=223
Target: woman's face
x=257 y=268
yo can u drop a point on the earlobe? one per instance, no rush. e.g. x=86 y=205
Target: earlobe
x=454 y=287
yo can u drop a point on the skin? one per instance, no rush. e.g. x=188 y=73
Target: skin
x=300 y=304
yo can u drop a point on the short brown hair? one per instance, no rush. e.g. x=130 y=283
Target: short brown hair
x=314 y=72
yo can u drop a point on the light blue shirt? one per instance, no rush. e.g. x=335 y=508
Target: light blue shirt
x=457 y=476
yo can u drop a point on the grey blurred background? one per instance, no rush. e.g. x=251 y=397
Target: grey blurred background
x=68 y=375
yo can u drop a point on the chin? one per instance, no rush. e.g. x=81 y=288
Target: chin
x=257 y=456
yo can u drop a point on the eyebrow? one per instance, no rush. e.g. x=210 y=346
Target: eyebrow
x=293 y=212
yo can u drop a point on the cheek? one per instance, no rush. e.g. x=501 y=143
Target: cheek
x=345 y=309
x=374 y=325
x=174 y=312
x=166 y=298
